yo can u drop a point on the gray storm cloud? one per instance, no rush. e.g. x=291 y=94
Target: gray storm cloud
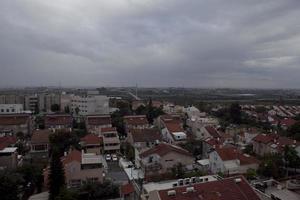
x=197 y=43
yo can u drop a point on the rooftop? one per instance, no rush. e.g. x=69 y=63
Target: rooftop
x=145 y=135
x=136 y=120
x=98 y=119
x=163 y=149
x=231 y=188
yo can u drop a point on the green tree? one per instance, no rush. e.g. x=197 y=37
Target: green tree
x=150 y=112
x=291 y=157
x=56 y=175
x=62 y=141
x=294 y=131
x=67 y=109
x=128 y=151
x=98 y=191
x=67 y=194
x=32 y=174
x=271 y=166
x=9 y=185
x=55 y=107
x=251 y=174
x=178 y=170
x=235 y=113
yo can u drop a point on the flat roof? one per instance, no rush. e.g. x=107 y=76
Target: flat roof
x=164 y=185
x=8 y=150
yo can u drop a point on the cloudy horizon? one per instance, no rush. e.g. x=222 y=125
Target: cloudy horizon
x=152 y=43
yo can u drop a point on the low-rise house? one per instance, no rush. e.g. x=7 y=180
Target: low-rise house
x=11 y=124
x=209 y=144
x=39 y=144
x=136 y=122
x=173 y=133
x=8 y=153
x=287 y=123
x=209 y=132
x=224 y=189
x=142 y=140
x=230 y=161
x=80 y=168
x=163 y=157
x=94 y=123
x=111 y=141
x=272 y=143
x=198 y=123
x=92 y=143
x=57 y=122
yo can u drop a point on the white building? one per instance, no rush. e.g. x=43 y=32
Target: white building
x=88 y=105
x=11 y=108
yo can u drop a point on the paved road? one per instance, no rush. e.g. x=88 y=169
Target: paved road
x=116 y=173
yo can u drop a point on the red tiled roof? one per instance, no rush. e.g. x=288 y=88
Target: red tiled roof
x=108 y=129
x=171 y=118
x=74 y=155
x=163 y=149
x=136 y=120
x=247 y=159
x=173 y=127
x=40 y=136
x=13 y=119
x=214 y=142
x=288 y=122
x=226 y=189
x=127 y=189
x=7 y=141
x=58 y=120
x=263 y=138
x=228 y=153
x=99 y=120
x=145 y=135
x=212 y=131
x=92 y=139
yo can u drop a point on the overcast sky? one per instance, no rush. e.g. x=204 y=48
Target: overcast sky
x=191 y=43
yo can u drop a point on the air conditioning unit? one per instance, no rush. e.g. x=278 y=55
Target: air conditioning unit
x=237 y=180
x=187 y=181
x=190 y=189
x=180 y=182
x=193 y=179
x=171 y=193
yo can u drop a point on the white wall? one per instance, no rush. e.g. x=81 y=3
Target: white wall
x=11 y=108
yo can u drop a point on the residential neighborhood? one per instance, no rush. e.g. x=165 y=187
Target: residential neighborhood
x=145 y=151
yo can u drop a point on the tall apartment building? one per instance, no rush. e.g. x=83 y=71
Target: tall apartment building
x=47 y=100
x=11 y=99
x=89 y=105
x=31 y=102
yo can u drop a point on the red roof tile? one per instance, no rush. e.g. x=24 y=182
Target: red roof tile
x=108 y=129
x=40 y=136
x=92 y=139
x=14 y=119
x=163 y=149
x=7 y=141
x=59 y=119
x=127 y=189
x=173 y=127
x=263 y=138
x=228 y=153
x=136 y=120
x=288 y=122
x=226 y=189
x=145 y=135
x=212 y=131
x=99 y=120
x=74 y=155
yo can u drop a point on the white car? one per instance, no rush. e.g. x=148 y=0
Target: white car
x=108 y=157
x=114 y=157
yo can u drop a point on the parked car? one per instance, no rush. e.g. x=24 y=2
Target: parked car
x=108 y=157
x=114 y=157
